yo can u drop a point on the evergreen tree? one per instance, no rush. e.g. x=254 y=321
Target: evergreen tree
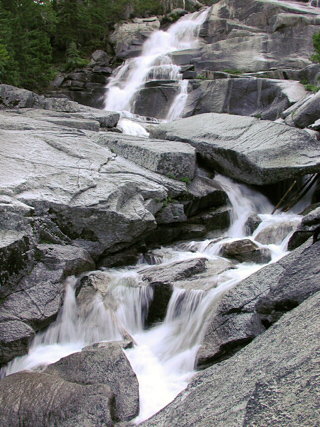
x=25 y=36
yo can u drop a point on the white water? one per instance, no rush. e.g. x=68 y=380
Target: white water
x=155 y=64
x=164 y=356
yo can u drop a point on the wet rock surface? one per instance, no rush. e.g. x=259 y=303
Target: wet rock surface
x=257 y=302
x=245 y=251
x=92 y=387
x=308 y=227
x=277 y=369
x=248 y=96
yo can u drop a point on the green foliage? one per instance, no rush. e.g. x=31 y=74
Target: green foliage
x=316 y=44
x=73 y=58
x=35 y=34
x=230 y=71
x=186 y=179
x=25 y=43
x=148 y=7
x=311 y=88
x=167 y=201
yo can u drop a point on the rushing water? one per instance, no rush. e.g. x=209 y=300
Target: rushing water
x=164 y=355
x=155 y=64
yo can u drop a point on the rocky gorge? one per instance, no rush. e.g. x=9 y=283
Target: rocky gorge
x=137 y=268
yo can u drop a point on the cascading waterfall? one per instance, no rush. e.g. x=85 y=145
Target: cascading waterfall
x=164 y=357
x=155 y=64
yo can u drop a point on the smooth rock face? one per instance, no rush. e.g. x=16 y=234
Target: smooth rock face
x=155 y=99
x=94 y=387
x=172 y=159
x=250 y=150
x=273 y=381
x=162 y=279
x=308 y=113
x=257 y=35
x=257 y=302
x=25 y=398
x=258 y=97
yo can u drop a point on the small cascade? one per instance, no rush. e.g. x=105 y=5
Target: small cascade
x=164 y=355
x=155 y=64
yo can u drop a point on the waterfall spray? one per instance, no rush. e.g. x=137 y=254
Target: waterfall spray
x=155 y=64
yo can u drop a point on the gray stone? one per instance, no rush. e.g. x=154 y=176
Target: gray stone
x=155 y=98
x=105 y=364
x=253 y=96
x=245 y=251
x=257 y=302
x=99 y=56
x=250 y=150
x=162 y=279
x=25 y=398
x=61 y=112
x=258 y=35
x=15 y=337
x=129 y=36
x=214 y=219
x=94 y=387
x=204 y=195
x=252 y=223
x=275 y=233
x=172 y=213
x=273 y=381
x=308 y=113
x=309 y=223
x=38 y=296
x=12 y=97
x=64 y=199
x=174 y=160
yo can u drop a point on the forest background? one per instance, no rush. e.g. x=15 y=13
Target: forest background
x=40 y=38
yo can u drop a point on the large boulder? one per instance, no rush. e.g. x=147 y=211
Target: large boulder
x=12 y=97
x=307 y=113
x=250 y=150
x=88 y=388
x=32 y=302
x=309 y=224
x=245 y=96
x=174 y=160
x=273 y=381
x=245 y=250
x=155 y=98
x=257 y=302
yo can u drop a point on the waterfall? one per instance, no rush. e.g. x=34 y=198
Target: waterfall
x=165 y=354
x=155 y=64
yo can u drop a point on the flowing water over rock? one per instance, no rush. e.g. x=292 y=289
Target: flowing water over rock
x=155 y=64
x=103 y=304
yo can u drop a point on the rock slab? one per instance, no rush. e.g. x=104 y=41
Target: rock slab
x=248 y=149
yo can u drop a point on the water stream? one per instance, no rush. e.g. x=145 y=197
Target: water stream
x=165 y=354
x=154 y=64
